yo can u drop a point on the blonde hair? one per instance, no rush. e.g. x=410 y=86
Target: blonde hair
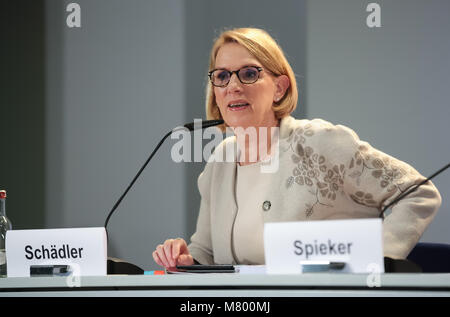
x=264 y=48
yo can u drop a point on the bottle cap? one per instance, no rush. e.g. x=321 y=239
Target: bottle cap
x=2 y=194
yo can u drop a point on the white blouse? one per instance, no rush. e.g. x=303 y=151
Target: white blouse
x=248 y=228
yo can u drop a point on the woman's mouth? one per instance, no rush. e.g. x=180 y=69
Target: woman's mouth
x=238 y=106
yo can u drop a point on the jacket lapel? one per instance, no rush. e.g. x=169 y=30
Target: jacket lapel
x=225 y=213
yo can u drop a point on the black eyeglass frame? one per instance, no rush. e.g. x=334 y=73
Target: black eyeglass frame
x=259 y=69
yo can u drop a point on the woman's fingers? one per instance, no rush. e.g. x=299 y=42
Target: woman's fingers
x=157 y=259
x=168 y=252
x=179 y=247
x=185 y=259
x=162 y=255
x=180 y=252
x=173 y=252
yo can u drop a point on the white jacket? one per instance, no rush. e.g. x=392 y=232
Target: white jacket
x=325 y=172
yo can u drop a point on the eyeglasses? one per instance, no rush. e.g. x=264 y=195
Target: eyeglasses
x=246 y=75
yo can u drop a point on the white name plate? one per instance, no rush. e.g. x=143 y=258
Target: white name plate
x=358 y=243
x=83 y=249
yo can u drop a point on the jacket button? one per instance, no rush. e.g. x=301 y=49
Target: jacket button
x=266 y=205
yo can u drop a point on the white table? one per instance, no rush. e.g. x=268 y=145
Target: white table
x=230 y=285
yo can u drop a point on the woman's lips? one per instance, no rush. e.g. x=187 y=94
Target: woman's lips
x=239 y=107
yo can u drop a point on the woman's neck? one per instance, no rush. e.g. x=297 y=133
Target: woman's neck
x=256 y=143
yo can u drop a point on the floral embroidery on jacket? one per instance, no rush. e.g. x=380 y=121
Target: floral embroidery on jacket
x=324 y=181
x=391 y=176
x=312 y=171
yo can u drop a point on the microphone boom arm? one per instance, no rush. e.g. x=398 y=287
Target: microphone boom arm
x=135 y=178
x=190 y=127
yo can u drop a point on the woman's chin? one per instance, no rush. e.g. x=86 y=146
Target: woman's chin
x=239 y=124
x=239 y=121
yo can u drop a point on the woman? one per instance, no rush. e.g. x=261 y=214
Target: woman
x=325 y=171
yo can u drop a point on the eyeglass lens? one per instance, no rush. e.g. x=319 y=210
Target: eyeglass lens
x=246 y=75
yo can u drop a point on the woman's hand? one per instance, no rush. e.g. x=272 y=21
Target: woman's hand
x=172 y=253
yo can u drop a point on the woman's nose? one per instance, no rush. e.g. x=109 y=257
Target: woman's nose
x=235 y=83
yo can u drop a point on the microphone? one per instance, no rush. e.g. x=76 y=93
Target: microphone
x=205 y=124
x=413 y=188
x=191 y=127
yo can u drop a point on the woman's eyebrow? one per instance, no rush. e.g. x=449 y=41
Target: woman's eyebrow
x=246 y=65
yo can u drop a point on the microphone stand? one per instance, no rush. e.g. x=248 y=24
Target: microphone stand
x=191 y=127
x=117 y=266
x=134 y=180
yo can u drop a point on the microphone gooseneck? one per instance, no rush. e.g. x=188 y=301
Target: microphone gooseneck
x=413 y=188
x=190 y=127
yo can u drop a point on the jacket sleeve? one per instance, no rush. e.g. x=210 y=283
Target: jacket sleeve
x=374 y=179
x=201 y=246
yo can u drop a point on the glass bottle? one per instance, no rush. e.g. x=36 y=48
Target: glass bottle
x=5 y=225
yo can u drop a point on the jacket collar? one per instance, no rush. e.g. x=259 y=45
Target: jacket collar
x=287 y=124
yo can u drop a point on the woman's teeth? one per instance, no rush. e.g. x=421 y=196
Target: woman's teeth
x=238 y=105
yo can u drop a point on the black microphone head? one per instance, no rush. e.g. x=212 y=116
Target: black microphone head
x=204 y=124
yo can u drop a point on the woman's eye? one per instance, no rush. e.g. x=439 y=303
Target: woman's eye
x=250 y=73
x=222 y=75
